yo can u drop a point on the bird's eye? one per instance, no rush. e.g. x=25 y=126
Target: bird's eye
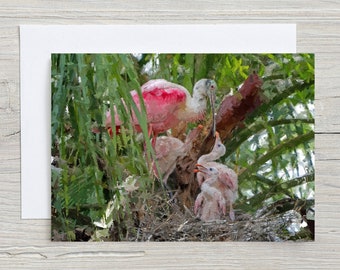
x=210 y=169
x=211 y=85
x=219 y=145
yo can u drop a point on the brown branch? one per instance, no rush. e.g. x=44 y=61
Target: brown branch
x=232 y=111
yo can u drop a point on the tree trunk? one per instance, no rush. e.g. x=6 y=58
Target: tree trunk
x=232 y=112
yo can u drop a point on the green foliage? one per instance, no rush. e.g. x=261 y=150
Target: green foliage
x=272 y=153
x=94 y=166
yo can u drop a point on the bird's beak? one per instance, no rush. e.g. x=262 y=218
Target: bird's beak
x=200 y=168
x=212 y=98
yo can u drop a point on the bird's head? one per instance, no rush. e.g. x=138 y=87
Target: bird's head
x=219 y=148
x=209 y=171
x=205 y=88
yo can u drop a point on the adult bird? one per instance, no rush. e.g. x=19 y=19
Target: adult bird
x=210 y=203
x=167 y=104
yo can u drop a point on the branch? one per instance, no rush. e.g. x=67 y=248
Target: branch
x=284 y=146
x=278 y=188
x=234 y=110
x=242 y=135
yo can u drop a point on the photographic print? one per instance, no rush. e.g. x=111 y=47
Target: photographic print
x=182 y=147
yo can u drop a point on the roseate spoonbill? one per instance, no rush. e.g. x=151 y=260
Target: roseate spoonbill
x=225 y=172
x=167 y=104
x=210 y=204
x=225 y=181
x=228 y=184
x=168 y=150
x=217 y=152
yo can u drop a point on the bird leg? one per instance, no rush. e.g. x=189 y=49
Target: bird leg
x=221 y=203
x=231 y=213
x=198 y=203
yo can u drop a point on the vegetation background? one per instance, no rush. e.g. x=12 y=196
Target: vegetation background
x=99 y=184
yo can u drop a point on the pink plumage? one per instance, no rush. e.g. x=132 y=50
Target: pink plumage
x=168 y=103
x=210 y=203
x=168 y=150
x=227 y=180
